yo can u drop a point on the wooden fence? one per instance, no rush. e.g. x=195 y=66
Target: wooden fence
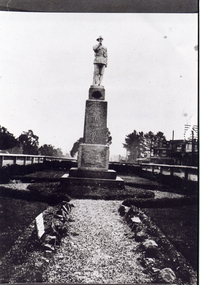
x=174 y=170
x=25 y=159
x=182 y=171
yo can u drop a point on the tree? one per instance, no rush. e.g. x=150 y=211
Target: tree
x=153 y=140
x=7 y=140
x=160 y=137
x=134 y=143
x=59 y=152
x=108 y=138
x=75 y=147
x=149 y=139
x=29 y=142
x=47 y=150
x=142 y=145
x=50 y=150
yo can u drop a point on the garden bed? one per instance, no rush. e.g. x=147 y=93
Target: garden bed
x=180 y=225
x=15 y=216
x=175 y=215
x=159 y=255
x=177 y=218
x=30 y=254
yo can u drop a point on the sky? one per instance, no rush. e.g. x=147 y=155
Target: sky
x=47 y=67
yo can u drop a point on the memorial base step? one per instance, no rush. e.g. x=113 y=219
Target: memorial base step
x=69 y=184
x=91 y=173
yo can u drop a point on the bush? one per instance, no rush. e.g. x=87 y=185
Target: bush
x=4 y=175
x=161 y=203
x=48 y=192
x=173 y=183
x=16 y=171
x=123 y=168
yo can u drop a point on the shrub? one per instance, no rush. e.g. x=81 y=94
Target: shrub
x=161 y=203
x=4 y=175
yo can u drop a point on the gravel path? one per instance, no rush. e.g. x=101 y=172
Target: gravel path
x=98 y=249
x=17 y=186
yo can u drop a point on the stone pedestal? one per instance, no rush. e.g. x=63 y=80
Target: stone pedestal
x=93 y=154
x=95 y=129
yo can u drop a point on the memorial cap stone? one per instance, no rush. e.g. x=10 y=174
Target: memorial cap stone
x=96 y=92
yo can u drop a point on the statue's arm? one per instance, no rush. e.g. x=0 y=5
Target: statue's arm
x=105 y=54
x=95 y=48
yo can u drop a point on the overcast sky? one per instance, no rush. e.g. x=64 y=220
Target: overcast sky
x=47 y=67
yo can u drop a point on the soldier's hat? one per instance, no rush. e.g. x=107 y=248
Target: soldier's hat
x=100 y=37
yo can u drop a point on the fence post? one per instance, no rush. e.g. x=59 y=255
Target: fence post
x=186 y=174
x=15 y=160
x=161 y=169
x=171 y=171
x=152 y=168
x=24 y=160
x=1 y=161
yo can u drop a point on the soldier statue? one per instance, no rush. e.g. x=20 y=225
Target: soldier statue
x=100 y=61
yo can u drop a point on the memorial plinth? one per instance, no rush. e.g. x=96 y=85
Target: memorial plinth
x=93 y=153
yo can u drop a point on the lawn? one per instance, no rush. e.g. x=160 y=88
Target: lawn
x=180 y=225
x=15 y=216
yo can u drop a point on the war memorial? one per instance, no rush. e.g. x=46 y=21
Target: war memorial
x=93 y=154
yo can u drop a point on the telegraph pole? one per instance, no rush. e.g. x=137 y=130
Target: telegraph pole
x=192 y=147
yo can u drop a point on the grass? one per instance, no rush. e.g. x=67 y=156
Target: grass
x=165 y=202
x=177 y=219
x=180 y=225
x=48 y=189
x=48 y=175
x=15 y=216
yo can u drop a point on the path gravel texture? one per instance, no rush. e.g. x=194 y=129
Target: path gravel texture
x=99 y=248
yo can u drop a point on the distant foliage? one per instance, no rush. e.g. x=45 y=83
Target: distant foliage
x=75 y=147
x=134 y=143
x=152 y=140
x=140 y=145
x=108 y=138
x=26 y=143
x=29 y=142
x=59 y=152
x=7 y=140
x=50 y=150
